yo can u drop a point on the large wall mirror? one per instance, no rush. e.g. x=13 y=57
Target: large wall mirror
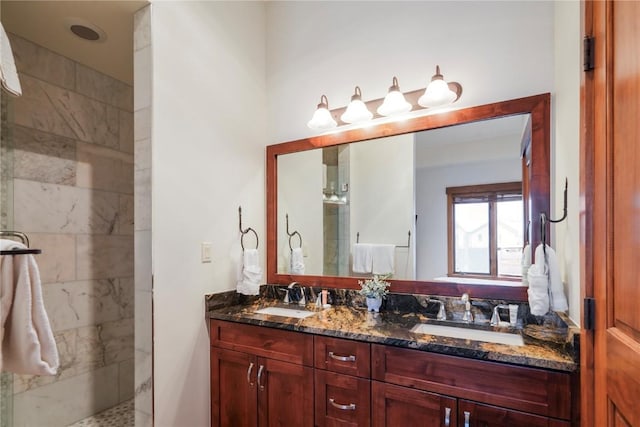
x=444 y=202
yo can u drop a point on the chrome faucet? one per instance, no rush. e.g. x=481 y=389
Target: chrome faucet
x=468 y=316
x=442 y=314
x=293 y=296
x=495 y=319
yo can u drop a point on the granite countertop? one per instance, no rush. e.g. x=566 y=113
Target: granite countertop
x=545 y=346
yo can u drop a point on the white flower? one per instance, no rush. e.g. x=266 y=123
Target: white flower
x=376 y=287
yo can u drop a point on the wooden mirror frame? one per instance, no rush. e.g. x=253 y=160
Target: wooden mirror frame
x=535 y=184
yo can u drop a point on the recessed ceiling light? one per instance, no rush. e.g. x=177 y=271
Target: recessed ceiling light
x=84 y=29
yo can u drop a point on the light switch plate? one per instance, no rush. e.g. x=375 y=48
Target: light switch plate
x=205 y=252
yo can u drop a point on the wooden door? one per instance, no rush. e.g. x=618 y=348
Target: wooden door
x=402 y=406
x=233 y=389
x=611 y=189
x=285 y=394
x=472 y=414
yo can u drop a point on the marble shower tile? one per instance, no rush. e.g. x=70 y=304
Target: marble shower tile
x=101 y=257
x=143 y=382
x=125 y=215
x=142 y=124
x=126 y=131
x=102 y=87
x=102 y=168
x=88 y=302
x=142 y=419
x=62 y=112
x=117 y=338
x=142 y=28
x=42 y=63
x=142 y=154
x=35 y=109
x=65 y=402
x=126 y=297
x=49 y=208
x=57 y=262
x=143 y=322
x=142 y=73
x=44 y=157
x=142 y=199
x=126 y=379
x=142 y=248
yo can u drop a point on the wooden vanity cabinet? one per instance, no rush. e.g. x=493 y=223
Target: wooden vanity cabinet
x=260 y=376
x=342 y=382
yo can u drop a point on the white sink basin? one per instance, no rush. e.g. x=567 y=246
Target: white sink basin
x=469 y=334
x=285 y=312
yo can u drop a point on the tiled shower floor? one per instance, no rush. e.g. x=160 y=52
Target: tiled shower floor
x=118 y=416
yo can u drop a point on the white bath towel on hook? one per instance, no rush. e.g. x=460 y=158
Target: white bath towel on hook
x=250 y=274
x=27 y=345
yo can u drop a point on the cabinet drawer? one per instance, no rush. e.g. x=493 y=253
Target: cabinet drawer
x=480 y=415
x=288 y=346
x=537 y=391
x=342 y=400
x=343 y=356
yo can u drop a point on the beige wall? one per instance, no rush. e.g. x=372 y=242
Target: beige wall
x=72 y=136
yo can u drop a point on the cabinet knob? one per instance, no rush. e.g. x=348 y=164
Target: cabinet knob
x=349 y=358
x=249 y=374
x=447 y=417
x=349 y=407
x=467 y=418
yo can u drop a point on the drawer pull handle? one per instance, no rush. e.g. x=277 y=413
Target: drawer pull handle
x=467 y=418
x=249 y=374
x=349 y=407
x=447 y=417
x=350 y=358
x=259 y=377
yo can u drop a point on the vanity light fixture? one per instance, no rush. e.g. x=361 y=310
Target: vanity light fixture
x=322 y=119
x=357 y=111
x=439 y=92
x=394 y=103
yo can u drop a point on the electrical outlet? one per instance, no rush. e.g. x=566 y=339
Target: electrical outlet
x=205 y=252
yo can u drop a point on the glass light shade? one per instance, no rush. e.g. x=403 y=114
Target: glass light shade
x=394 y=103
x=322 y=118
x=356 y=111
x=437 y=94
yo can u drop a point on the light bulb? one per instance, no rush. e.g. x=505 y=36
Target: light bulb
x=322 y=119
x=356 y=110
x=437 y=93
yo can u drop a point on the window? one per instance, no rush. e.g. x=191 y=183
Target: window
x=485 y=229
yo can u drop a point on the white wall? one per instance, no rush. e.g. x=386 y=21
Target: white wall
x=208 y=158
x=566 y=146
x=496 y=50
x=381 y=192
x=300 y=196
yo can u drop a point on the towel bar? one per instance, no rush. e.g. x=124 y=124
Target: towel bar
x=408 y=245
x=25 y=240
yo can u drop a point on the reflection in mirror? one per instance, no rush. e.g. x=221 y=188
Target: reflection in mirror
x=389 y=195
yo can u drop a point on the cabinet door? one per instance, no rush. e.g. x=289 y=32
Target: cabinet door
x=233 y=389
x=285 y=394
x=342 y=400
x=473 y=414
x=401 y=406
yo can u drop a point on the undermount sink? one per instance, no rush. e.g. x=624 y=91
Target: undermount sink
x=285 y=312
x=469 y=334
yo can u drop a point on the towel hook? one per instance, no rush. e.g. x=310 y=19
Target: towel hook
x=544 y=219
x=245 y=231
x=293 y=234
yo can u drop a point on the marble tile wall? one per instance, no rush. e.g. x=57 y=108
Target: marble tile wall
x=143 y=383
x=73 y=193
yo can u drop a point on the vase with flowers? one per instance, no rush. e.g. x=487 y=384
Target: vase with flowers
x=374 y=290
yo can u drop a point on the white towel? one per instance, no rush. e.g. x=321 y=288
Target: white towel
x=26 y=339
x=538 y=290
x=526 y=263
x=251 y=273
x=362 y=258
x=383 y=259
x=8 y=72
x=297 y=261
x=558 y=300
